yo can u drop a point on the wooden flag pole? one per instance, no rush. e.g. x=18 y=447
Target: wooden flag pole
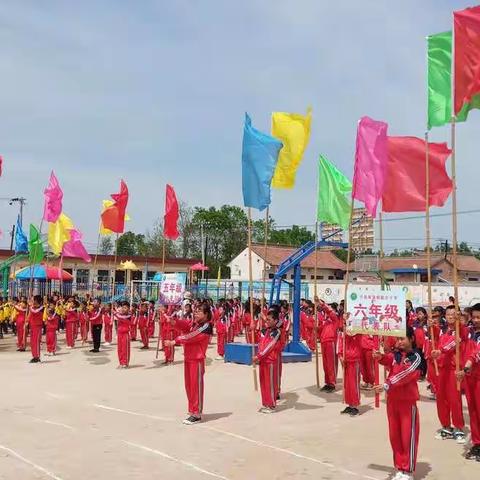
x=454 y=252
x=347 y=275
x=428 y=244
x=382 y=282
x=114 y=267
x=96 y=256
x=250 y=291
x=265 y=249
x=315 y=312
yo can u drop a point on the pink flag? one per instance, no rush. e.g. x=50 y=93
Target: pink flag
x=371 y=158
x=74 y=247
x=53 y=200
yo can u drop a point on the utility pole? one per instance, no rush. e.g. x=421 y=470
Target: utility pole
x=21 y=201
x=203 y=249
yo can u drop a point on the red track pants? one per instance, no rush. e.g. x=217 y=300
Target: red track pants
x=432 y=376
x=404 y=429
x=70 y=334
x=329 y=362
x=20 y=334
x=133 y=331
x=35 y=340
x=367 y=367
x=194 y=371
x=449 y=400
x=144 y=335
x=351 y=383
x=51 y=340
x=84 y=331
x=108 y=333
x=473 y=400
x=221 y=338
x=123 y=348
x=268 y=383
x=151 y=329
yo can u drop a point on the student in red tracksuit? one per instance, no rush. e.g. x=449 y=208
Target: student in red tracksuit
x=123 y=317
x=283 y=325
x=267 y=358
x=134 y=323
x=471 y=373
x=107 y=324
x=222 y=327
x=195 y=340
x=70 y=320
x=151 y=319
x=351 y=370
x=96 y=321
x=328 y=326
x=35 y=321
x=52 y=320
x=367 y=366
x=402 y=396
x=433 y=331
x=83 y=320
x=309 y=328
x=449 y=398
x=21 y=308
x=143 y=325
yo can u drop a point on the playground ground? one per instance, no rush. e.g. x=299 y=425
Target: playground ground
x=77 y=416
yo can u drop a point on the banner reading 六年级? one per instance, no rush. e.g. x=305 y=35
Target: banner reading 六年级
x=374 y=311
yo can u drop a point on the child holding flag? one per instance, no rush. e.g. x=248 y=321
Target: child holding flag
x=123 y=318
x=402 y=395
x=35 y=322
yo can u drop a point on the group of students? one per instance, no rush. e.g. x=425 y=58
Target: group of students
x=428 y=351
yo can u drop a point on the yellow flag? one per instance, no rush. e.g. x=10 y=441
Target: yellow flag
x=105 y=205
x=59 y=233
x=293 y=130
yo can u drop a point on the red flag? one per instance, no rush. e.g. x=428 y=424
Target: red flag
x=1 y=165
x=170 y=219
x=113 y=217
x=405 y=189
x=466 y=25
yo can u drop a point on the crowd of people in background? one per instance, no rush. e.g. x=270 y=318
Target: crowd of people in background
x=427 y=353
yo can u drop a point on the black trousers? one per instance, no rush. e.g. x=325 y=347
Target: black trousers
x=97 y=336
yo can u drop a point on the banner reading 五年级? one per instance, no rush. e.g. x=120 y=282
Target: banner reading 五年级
x=374 y=311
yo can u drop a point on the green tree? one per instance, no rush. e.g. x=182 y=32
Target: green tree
x=154 y=243
x=295 y=236
x=105 y=246
x=131 y=244
x=342 y=254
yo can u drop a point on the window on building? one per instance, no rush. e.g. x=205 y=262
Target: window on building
x=423 y=277
x=319 y=277
x=473 y=279
x=150 y=275
x=102 y=276
x=312 y=277
x=270 y=275
x=302 y=277
x=331 y=277
x=83 y=277
x=292 y=276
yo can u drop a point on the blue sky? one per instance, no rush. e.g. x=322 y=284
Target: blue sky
x=155 y=92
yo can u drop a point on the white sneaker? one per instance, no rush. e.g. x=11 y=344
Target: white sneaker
x=107 y=344
x=266 y=410
x=219 y=358
x=398 y=476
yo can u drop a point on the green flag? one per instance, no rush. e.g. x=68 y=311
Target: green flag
x=333 y=187
x=35 y=246
x=439 y=54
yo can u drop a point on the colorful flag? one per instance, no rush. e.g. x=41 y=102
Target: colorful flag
x=53 y=200
x=75 y=248
x=170 y=219
x=333 y=194
x=405 y=183
x=113 y=217
x=259 y=157
x=59 y=233
x=293 y=130
x=466 y=30
x=21 y=241
x=370 y=163
x=439 y=53
x=35 y=246
x=105 y=205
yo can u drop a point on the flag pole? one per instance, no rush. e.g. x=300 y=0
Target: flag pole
x=383 y=286
x=428 y=243
x=250 y=288
x=265 y=248
x=96 y=255
x=114 y=267
x=347 y=275
x=315 y=300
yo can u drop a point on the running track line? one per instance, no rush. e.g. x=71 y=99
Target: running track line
x=246 y=439
x=177 y=460
x=29 y=462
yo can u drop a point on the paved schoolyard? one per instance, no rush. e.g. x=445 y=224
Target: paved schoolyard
x=76 y=416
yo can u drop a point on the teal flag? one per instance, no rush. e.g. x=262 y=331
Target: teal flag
x=334 y=194
x=259 y=158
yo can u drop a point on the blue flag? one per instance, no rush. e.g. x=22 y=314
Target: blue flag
x=259 y=158
x=21 y=241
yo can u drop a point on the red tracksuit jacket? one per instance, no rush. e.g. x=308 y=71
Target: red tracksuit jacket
x=267 y=345
x=195 y=339
x=404 y=373
x=328 y=324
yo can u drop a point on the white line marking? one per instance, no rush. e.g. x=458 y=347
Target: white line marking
x=43 y=420
x=154 y=417
x=29 y=462
x=246 y=439
x=177 y=460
